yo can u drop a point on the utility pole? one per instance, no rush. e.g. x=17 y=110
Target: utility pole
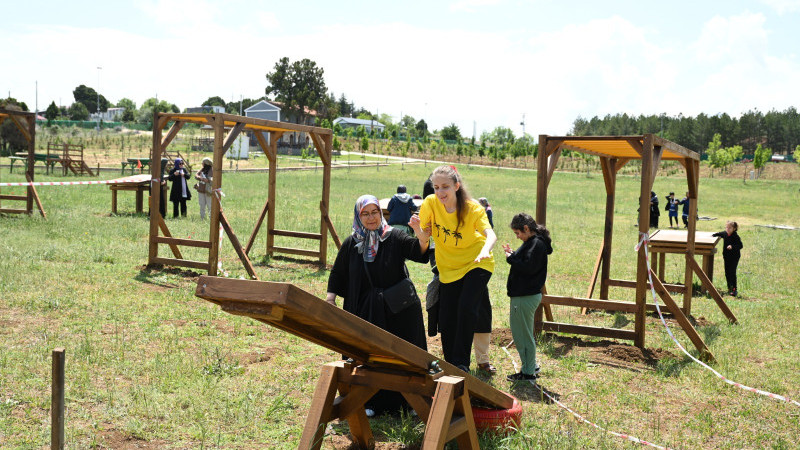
x=523 y=124
x=98 y=98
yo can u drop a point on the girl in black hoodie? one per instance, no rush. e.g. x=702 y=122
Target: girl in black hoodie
x=731 y=251
x=525 y=280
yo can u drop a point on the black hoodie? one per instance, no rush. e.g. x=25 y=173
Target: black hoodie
x=528 y=267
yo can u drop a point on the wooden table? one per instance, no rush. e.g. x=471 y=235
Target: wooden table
x=674 y=241
x=49 y=161
x=138 y=183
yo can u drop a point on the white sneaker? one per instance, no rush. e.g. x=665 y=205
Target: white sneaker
x=370 y=413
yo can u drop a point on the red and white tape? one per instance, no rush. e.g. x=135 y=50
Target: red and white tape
x=72 y=183
x=645 y=239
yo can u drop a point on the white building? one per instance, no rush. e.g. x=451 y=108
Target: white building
x=349 y=122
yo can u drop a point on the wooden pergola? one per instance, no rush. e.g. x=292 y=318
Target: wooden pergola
x=234 y=125
x=614 y=152
x=26 y=124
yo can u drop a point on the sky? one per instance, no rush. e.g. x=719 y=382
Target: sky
x=477 y=63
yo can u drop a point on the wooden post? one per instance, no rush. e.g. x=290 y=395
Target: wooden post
x=692 y=178
x=541 y=181
x=155 y=187
x=609 y=166
x=57 y=401
x=273 y=182
x=644 y=228
x=31 y=135
x=216 y=182
x=326 y=195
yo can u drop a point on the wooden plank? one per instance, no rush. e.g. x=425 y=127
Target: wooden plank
x=621 y=162
x=185 y=242
x=22 y=129
x=253 y=235
x=336 y=329
x=551 y=168
x=173 y=131
x=586 y=330
x=236 y=245
x=295 y=251
x=163 y=226
x=320 y=146
x=265 y=147
x=216 y=185
x=182 y=263
x=35 y=195
x=606 y=305
x=321 y=406
x=676 y=311
x=271 y=195
x=420 y=404
x=13 y=197
x=644 y=227
x=441 y=412
x=541 y=185
x=326 y=197
x=357 y=419
x=297 y=234
x=676 y=148
x=331 y=228
x=692 y=174
x=234 y=133
x=610 y=180
x=712 y=290
x=632 y=284
x=657 y=152
x=14 y=211
x=155 y=191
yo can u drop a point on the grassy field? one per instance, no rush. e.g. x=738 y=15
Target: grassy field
x=150 y=365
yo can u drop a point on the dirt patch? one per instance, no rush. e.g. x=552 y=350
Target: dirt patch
x=113 y=438
x=345 y=442
x=611 y=353
x=159 y=268
x=701 y=322
x=501 y=336
x=246 y=359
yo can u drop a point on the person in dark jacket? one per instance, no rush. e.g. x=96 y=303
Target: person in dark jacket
x=685 y=210
x=180 y=191
x=731 y=252
x=372 y=258
x=654 y=211
x=401 y=208
x=525 y=281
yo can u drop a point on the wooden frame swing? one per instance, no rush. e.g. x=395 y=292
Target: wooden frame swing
x=26 y=124
x=614 y=153
x=323 y=141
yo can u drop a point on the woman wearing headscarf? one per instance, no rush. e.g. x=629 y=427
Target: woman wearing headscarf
x=373 y=258
x=180 y=192
x=204 y=188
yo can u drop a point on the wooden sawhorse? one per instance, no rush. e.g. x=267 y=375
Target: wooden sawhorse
x=441 y=401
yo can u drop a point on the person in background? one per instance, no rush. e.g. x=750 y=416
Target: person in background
x=654 y=211
x=525 y=281
x=672 y=207
x=464 y=241
x=179 y=193
x=401 y=208
x=204 y=187
x=371 y=259
x=427 y=188
x=731 y=252
x=488 y=208
x=685 y=211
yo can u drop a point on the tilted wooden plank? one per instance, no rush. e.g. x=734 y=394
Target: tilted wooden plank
x=588 y=330
x=607 y=305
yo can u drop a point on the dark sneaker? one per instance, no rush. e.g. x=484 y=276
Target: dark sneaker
x=537 y=370
x=519 y=376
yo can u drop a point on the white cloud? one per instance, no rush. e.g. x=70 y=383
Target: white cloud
x=783 y=6
x=471 y=5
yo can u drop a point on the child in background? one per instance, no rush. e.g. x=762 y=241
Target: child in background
x=672 y=207
x=731 y=251
x=525 y=280
x=488 y=208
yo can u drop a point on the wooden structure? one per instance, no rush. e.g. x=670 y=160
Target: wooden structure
x=48 y=160
x=439 y=392
x=220 y=123
x=26 y=124
x=70 y=156
x=137 y=183
x=674 y=241
x=614 y=153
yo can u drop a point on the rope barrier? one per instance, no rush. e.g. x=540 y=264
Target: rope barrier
x=645 y=239
x=580 y=417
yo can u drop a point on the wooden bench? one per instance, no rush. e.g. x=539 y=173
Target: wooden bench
x=137 y=183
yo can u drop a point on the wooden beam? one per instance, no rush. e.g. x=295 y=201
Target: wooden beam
x=164 y=229
x=271 y=194
x=636 y=143
x=24 y=130
x=155 y=191
x=692 y=176
x=184 y=242
x=182 y=263
x=657 y=153
x=216 y=185
x=712 y=290
x=234 y=133
x=297 y=234
x=632 y=284
x=327 y=144
x=676 y=311
x=621 y=162
x=595 y=272
x=644 y=228
x=173 y=131
x=253 y=235
x=35 y=195
x=321 y=407
x=295 y=251
x=551 y=166
x=236 y=245
x=609 y=166
x=613 y=333
x=606 y=305
x=676 y=148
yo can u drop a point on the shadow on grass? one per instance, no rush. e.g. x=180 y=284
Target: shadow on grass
x=292 y=263
x=154 y=275
x=605 y=352
x=533 y=392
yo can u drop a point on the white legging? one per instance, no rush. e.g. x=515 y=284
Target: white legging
x=205 y=202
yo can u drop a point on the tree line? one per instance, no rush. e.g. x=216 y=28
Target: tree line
x=777 y=130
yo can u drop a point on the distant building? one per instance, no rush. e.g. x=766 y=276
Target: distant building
x=289 y=143
x=349 y=122
x=264 y=110
x=111 y=115
x=206 y=110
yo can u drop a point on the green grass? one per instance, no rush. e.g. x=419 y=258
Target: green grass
x=148 y=360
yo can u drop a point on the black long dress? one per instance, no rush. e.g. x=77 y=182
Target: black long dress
x=349 y=281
